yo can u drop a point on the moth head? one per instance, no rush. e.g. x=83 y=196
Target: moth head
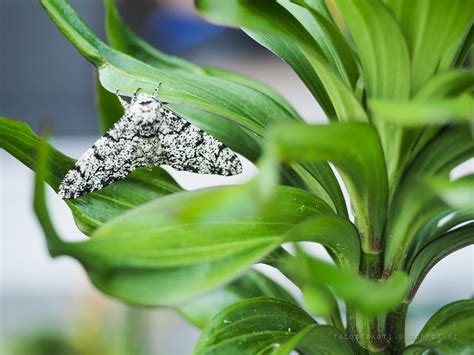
x=144 y=110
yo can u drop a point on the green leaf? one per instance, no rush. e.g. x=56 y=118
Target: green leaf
x=446 y=84
x=123 y=39
x=296 y=59
x=421 y=113
x=449 y=331
x=461 y=54
x=435 y=251
x=458 y=193
x=416 y=205
x=229 y=100
x=365 y=295
x=335 y=233
x=325 y=33
x=355 y=149
x=452 y=146
x=108 y=107
x=252 y=326
x=420 y=22
x=321 y=302
x=299 y=44
x=320 y=179
x=345 y=103
x=405 y=219
x=195 y=241
x=94 y=209
x=316 y=339
x=252 y=284
x=382 y=50
x=385 y=63
x=262 y=16
x=244 y=80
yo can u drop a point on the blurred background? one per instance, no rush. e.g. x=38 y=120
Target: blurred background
x=49 y=304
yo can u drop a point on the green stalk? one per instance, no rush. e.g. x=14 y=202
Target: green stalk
x=395 y=329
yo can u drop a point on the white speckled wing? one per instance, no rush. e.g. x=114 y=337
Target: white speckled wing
x=119 y=152
x=186 y=147
x=147 y=135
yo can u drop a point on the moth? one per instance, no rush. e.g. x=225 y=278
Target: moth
x=147 y=135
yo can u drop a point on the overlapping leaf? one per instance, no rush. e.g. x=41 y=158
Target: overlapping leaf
x=366 y=296
x=313 y=47
x=253 y=284
x=195 y=241
x=268 y=326
x=436 y=250
x=450 y=330
x=359 y=157
x=420 y=22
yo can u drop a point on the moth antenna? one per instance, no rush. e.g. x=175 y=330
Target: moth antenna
x=155 y=92
x=122 y=101
x=135 y=94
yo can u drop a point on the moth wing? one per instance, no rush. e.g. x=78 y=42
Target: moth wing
x=188 y=148
x=120 y=151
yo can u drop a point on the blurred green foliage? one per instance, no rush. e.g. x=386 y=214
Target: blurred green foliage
x=390 y=77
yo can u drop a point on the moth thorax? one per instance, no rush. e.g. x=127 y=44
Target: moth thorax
x=145 y=113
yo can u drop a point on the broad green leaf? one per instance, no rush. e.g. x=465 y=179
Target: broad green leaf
x=296 y=59
x=335 y=233
x=239 y=103
x=94 y=209
x=252 y=284
x=252 y=326
x=446 y=84
x=367 y=296
x=382 y=50
x=345 y=103
x=320 y=179
x=463 y=51
x=195 y=241
x=420 y=22
x=416 y=204
x=421 y=113
x=458 y=194
x=254 y=17
x=334 y=46
x=321 y=302
x=443 y=85
x=316 y=5
x=262 y=16
x=434 y=228
x=433 y=252
x=316 y=339
x=109 y=108
x=355 y=150
x=449 y=331
x=244 y=80
x=452 y=146
x=385 y=63
x=123 y=39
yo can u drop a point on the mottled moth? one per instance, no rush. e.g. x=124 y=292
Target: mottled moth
x=147 y=135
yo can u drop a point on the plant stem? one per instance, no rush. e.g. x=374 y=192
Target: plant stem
x=371 y=265
x=370 y=329
x=395 y=329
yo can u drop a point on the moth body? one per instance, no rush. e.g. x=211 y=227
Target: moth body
x=147 y=135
